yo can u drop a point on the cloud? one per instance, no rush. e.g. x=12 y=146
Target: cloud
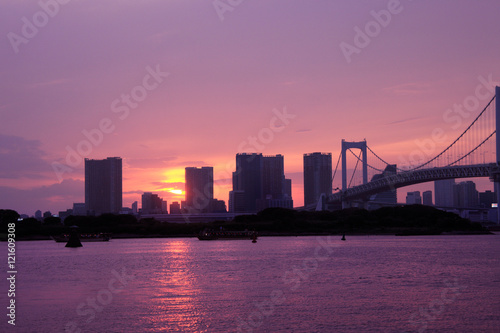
x=406 y=120
x=133 y=192
x=165 y=185
x=150 y=163
x=192 y=163
x=303 y=130
x=21 y=158
x=54 y=197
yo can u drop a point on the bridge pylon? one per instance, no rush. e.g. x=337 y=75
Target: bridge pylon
x=358 y=145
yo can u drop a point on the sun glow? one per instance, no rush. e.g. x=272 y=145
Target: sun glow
x=179 y=192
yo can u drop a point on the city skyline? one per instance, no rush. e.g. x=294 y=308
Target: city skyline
x=188 y=107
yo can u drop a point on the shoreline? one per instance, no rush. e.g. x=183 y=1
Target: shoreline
x=276 y=234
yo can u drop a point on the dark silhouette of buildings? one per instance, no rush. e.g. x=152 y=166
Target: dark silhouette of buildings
x=287 y=188
x=273 y=176
x=153 y=204
x=465 y=195
x=443 y=192
x=389 y=197
x=199 y=189
x=103 y=185
x=317 y=176
x=413 y=198
x=258 y=183
x=247 y=181
x=487 y=198
x=427 y=198
x=237 y=202
x=175 y=208
x=274 y=184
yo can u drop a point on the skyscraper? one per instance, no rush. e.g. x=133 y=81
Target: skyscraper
x=317 y=176
x=427 y=198
x=465 y=195
x=247 y=182
x=443 y=192
x=103 y=185
x=273 y=176
x=199 y=188
x=486 y=199
x=259 y=183
x=287 y=188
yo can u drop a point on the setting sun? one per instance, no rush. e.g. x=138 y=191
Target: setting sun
x=179 y=192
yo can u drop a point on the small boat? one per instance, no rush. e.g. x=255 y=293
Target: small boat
x=343 y=237
x=101 y=237
x=208 y=234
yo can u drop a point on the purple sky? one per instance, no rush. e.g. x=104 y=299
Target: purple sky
x=225 y=78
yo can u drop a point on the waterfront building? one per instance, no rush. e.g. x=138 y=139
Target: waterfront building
x=103 y=185
x=317 y=176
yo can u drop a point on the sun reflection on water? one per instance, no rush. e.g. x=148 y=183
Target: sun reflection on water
x=174 y=303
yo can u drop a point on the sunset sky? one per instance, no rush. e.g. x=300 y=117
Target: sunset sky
x=178 y=83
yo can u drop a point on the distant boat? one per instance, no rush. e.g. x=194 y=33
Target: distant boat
x=209 y=234
x=101 y=237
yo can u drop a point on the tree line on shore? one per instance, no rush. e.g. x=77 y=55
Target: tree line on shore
x=413 y=219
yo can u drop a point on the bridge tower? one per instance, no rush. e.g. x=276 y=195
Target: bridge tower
x=358 y=145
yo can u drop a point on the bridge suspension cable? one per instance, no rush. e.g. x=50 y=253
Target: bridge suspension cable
x=336 y=167
x=462 y=150
x=355 y=167
x=469 y=153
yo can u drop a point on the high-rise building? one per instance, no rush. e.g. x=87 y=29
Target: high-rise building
x=258 y=183
x=443 y=192
x=287 y=188
x=103 y=185
x=199 y=188
x=237 y=201
x=317 y=176
x=273 y=176
x=153 y=204
x=175 y=208
x=413 y=198
x=486 y=199
x=134 y=208
x=427 y=198
x=247 y=182
x=390 y=196
x=465 y=195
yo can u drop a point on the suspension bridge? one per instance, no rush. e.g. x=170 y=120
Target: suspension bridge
x=474 y=153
